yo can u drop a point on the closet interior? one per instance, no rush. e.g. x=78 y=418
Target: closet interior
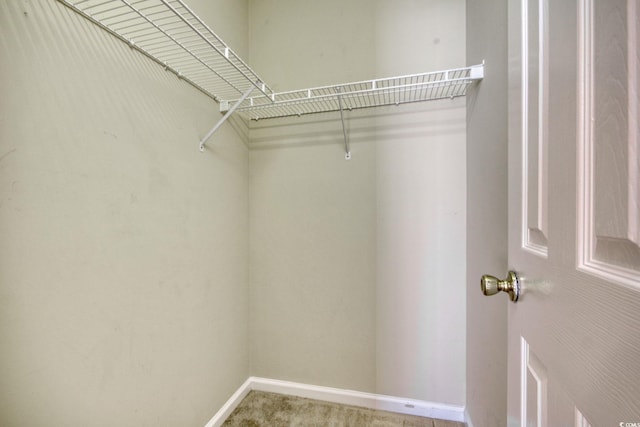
x=146 y=279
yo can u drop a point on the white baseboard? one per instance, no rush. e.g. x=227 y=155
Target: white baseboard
x=231 y=404
x=336 y=395
x=467 y=418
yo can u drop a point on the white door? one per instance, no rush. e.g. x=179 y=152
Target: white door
x=574 y=219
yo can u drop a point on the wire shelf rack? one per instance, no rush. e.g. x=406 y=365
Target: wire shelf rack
x=371 y=93
x=170 y=33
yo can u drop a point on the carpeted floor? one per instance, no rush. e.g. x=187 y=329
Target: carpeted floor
x=260 y=409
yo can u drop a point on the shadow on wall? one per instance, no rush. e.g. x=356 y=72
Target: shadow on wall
x=396 y=123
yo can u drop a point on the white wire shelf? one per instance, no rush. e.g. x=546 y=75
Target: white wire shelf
x=170 y=33
x=371 y=93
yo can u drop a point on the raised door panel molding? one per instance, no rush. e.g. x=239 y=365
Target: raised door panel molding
x=581 y=421
x=609 y=184
x=534 y=389
x=535 y=96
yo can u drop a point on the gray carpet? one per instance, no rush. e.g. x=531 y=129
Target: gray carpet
x=260 y=409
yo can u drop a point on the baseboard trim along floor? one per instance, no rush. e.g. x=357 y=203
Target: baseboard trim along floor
x=336 y=395
x=467 y=418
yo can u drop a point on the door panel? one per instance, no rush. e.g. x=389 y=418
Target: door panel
x=534 y=133
x=609 y=161
x=534 y=385
x=574 y=215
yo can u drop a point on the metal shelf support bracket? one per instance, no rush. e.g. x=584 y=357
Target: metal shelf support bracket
x=225 y=117
x=347 y=156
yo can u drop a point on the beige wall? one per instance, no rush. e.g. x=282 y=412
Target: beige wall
x=123 y=249
x=487 y=226
x=357 y=268
x=313 y=255
x=421 y=255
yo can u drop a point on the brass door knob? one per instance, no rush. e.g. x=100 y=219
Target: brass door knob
x=491 y=285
